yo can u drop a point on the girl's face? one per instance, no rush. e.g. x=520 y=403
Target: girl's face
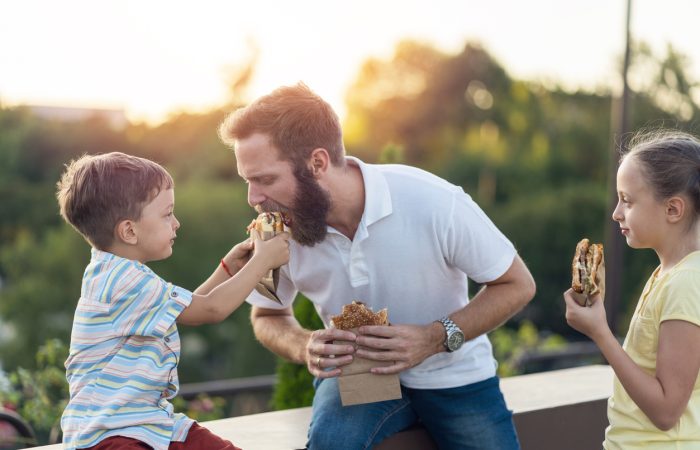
x=640 y=215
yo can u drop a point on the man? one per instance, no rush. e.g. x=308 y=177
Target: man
x=392 y=237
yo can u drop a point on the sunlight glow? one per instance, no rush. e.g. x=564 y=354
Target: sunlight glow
x=158 y=57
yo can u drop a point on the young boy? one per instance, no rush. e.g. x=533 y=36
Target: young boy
x=122 y=367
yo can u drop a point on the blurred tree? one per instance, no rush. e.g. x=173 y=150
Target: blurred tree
x=42 y=287
x=664 y=81
x=532 y=155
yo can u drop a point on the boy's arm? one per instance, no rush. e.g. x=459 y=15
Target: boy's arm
x=234 y=260
x=225 y=298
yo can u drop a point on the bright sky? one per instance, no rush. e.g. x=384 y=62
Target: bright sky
x=152 y=57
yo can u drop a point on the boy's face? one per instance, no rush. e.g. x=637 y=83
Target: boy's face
x=155 y=230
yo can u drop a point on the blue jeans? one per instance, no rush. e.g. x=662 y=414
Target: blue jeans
x=474 y=416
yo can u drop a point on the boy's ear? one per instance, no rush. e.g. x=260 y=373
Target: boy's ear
x=319 y=161
x=675 y=209
x=125 y=232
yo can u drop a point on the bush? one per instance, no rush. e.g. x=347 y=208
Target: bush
x=40 y=396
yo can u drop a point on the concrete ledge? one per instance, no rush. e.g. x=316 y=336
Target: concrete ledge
x=561 y=409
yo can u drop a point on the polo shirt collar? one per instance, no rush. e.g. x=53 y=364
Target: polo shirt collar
x=377 y=195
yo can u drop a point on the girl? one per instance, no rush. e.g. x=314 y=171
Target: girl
x=656 y=395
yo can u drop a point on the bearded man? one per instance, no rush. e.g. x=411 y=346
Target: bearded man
x=391 y=236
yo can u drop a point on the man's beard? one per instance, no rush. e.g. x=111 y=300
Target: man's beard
x=309 y=210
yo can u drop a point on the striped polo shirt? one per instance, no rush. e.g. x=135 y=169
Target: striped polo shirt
x=122 y=366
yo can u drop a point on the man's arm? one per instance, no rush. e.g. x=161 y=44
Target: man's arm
x=409 y=345
x=280 y=332
x=497 y=301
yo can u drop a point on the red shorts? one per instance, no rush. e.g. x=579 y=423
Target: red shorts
x=198 y=438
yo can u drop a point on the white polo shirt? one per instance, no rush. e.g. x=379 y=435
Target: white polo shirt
x=419 y=239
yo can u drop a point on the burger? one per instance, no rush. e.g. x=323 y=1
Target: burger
x=269 y=225
x=357 y=314
x=587 y=271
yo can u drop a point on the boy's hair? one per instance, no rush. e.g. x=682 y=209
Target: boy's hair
x=296 y=120
x=96 y=192
x=670 y=161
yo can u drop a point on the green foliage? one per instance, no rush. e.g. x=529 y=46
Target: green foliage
x=43 y=286
x=510 y=345
x=202 y=408
x=40 y=395
x=534 y=156
x=545 y=228
x=294 y=387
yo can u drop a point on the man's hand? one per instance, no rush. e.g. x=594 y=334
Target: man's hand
x=404 y=345
x=322 y=353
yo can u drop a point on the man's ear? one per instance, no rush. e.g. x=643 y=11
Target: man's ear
x=125 y=232
x=319 y=161
x=675 y=209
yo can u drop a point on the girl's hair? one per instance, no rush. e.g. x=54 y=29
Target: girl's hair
x=670 y=160
x=96 y=192
x=297 y=121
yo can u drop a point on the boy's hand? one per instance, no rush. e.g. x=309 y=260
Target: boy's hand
x=589 y=320
x=239 y=255
x=275 y=251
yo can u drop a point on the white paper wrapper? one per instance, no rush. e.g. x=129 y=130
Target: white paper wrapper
x=267 y=286
x=268 y=225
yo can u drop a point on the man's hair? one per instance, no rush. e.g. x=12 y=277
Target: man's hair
x=296 y=120
x=96 y=192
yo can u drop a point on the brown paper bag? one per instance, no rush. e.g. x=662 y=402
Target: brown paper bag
x=357 y=385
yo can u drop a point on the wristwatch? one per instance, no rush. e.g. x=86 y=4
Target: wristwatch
x=455 y=336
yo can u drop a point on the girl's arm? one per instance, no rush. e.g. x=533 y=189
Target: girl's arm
x=662 y=396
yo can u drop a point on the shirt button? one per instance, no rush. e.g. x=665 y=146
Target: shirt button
x=167 y=339
x=173 y=294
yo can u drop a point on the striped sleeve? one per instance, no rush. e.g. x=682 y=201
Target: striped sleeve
x=131 y=301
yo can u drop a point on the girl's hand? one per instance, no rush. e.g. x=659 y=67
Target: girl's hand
x=589 y=320
x=239 y=255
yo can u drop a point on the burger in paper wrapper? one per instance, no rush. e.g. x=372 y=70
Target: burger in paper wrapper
x=269 y=225
x=588 y=272
x=357 y=384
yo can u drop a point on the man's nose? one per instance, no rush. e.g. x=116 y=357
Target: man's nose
x=255 y=195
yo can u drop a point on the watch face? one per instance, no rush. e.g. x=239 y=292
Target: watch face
x=455 y=340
